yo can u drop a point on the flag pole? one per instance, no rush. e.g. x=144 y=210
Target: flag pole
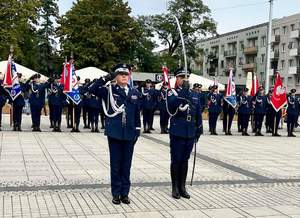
x=11 y=114
x=269 y=47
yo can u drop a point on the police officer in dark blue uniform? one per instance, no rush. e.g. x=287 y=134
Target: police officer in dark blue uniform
x=18 y=105
x=85 y=104
x=58 y=99
x=228 y=114
x=37 y=100
x=185 y=129
x=76 y=108
x=50 y=97
x=214 y=109
x=269 y=109
x=292 y=112
x=198 y=88
x=93 y=111
x=163 y=113
x=148 y=105
x=244 y=110
x=259 y=102
x=122 y=127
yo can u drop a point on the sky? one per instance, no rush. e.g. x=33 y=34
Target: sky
x=230 y=15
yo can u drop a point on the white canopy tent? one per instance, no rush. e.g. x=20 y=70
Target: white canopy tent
x=205 y=82
x=90 y=73
x=26 y=72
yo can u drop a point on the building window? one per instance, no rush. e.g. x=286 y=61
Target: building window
x=284 y=30
x=292 y=27
x=283 y=47
x=263 y=41
x=291 y=63
x=222 y=49
x=262 y=58
x=276 y=31
x=241 y=45
x=241 y=61
x=222 y=64
x=282 y=64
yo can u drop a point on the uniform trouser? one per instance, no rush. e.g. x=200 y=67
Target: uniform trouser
x=227 y=120
x=102 y=116
x=258 y=119
x=70 y=115
x=212 y=120
x=152 y=118
x=85 y=115
x=239 y=121
x=51 y=112
x=36 y=115
x=291 y=122
x=1 y=116
x=77 y=114
x=94 y=115
x=164 y=119
x=147 y=113
x=269 y=121
x=17 y=115
x=274 y=121
x=57 y=111
x=120 y=152
x=181 y=149
x=244 y=121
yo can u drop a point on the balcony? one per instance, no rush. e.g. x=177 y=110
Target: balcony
x=294 y=70
x=275 y=39
x=295 y=34
x=294 y=52
x=250 y=50
x=230 y=53
x=249 y=67
x=274 y=54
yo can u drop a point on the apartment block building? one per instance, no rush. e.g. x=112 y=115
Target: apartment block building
x=245 y=51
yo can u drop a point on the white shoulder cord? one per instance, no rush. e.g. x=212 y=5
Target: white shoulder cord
x=32 y=89
x=110 y=99
x=181 y=108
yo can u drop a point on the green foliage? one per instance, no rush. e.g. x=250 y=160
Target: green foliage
x=100 y=33
x=17 y=27
x=194 y=18
x=48 y=13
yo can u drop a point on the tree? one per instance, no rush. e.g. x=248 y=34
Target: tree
x=48 y=13
x=18 y=19
x=100 y=33
x=194 y=18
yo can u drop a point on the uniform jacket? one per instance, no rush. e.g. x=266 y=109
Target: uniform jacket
x=124 y=126
x=185 y=123
x=214 y=103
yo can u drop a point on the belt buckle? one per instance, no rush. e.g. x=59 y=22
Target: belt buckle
x=189 y=118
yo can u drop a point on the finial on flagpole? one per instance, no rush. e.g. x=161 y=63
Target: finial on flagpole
x=11 y=49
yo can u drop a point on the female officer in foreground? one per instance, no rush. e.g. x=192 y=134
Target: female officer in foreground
x=122 y=127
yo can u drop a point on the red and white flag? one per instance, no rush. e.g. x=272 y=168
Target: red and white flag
x=166 y=75
x=278 y=98
x=255 y=85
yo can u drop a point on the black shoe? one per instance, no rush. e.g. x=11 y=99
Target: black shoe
x=182 y=181
x=229 y=133
x=125 y=200
x=97 y=130
x=246 y=134
x=152 y=128
x=175 y=179
x=85 y=127
x=276 y=134
x=73 y=130
x=15 y=128
x=116 y=200
x=102 y=127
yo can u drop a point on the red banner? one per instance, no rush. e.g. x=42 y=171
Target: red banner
x=255 y=85
x=278 y=98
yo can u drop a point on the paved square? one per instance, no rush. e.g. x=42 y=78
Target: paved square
x=67 y=175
